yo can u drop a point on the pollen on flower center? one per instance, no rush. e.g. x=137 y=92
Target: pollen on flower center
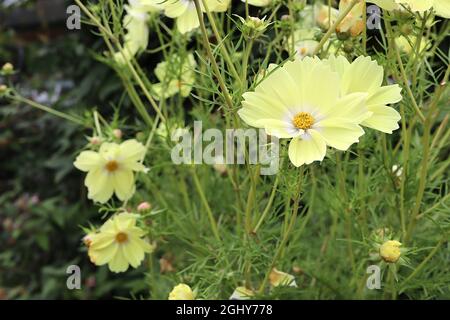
x=121 y=237
x=303 y=120
x=112 y=166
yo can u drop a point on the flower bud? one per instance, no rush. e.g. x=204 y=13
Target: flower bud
x=390 y=251
x=7 y=69
x=117 y=133
x=252 y=27
x=3 y=89
x=144 y=206
x=95 y=140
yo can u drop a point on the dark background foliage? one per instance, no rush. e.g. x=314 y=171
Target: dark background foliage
x=42 y=206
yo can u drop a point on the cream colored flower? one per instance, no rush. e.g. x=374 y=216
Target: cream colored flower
x=441 y=7
x=390 y=251
x=353 y=22
x=325 y=16
x=305 y=48
x=182 y=292
x=176 y=75
x=119 y=243
x=242 y=293
x=110 y=170
x=279 y=278
x=137 y=31
x=365 y=76
x=407 y=45
x=302 y=100
x=186 y=14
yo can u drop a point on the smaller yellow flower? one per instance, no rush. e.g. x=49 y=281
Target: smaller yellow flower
x=353 y=22
x=407 y=45
x=110 y=170
x=182 y=292
x=279 y=278
x=390 y=251
x=118 y=243
x=325 y=16
x=176 y=75
x=242 y=293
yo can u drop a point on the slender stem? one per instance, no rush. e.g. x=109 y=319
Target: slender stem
x=206 y=205
x=334 y=26
x=221 y=43
x=215 y=67
x=39 y=106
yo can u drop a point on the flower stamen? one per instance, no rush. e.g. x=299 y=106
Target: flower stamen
x=303 y=120
x=112 y=166
x=121 y=237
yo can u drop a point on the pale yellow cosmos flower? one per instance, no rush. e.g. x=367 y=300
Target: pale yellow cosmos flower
x=407 y=45
x=242 y=293
x=279 y=278
x=110 y=170
x=135 y=23
x=365 y=76
x=182 y=292
x=119 y=243
x=324 y=15
x=176 y=75
x=353 y=22
x=441 y=7
x=186 y=14
x=302 y=100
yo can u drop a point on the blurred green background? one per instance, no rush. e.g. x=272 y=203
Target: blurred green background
x=42 y=204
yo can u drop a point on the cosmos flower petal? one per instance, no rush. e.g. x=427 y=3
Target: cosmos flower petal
x=133 y=253
x=385 y=4
x=101 y=240
x=442 y=8
x=104 y=255
x=123 y=184
x=280 y=84
x=340 y=133
x=175 y=8
x=363 y=75
x=308 y=149
x=351 y=106
x=417 y=5
x=257 y=106
x=119 y=263
x=188 y=21
x=88 y=160
x=338 y=64
x=316 y=84
x=385 y=95
x=279 y=128
x=100 y=186
x=383 y=118
x=132 y=150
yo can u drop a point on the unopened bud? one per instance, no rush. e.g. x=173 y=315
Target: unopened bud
x=117 y=133
x=144 y=206
x=7 y=69
x=390 y=251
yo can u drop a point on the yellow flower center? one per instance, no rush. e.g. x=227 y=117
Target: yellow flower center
x=112 y=166
x=303 y=120
x=121 y=237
